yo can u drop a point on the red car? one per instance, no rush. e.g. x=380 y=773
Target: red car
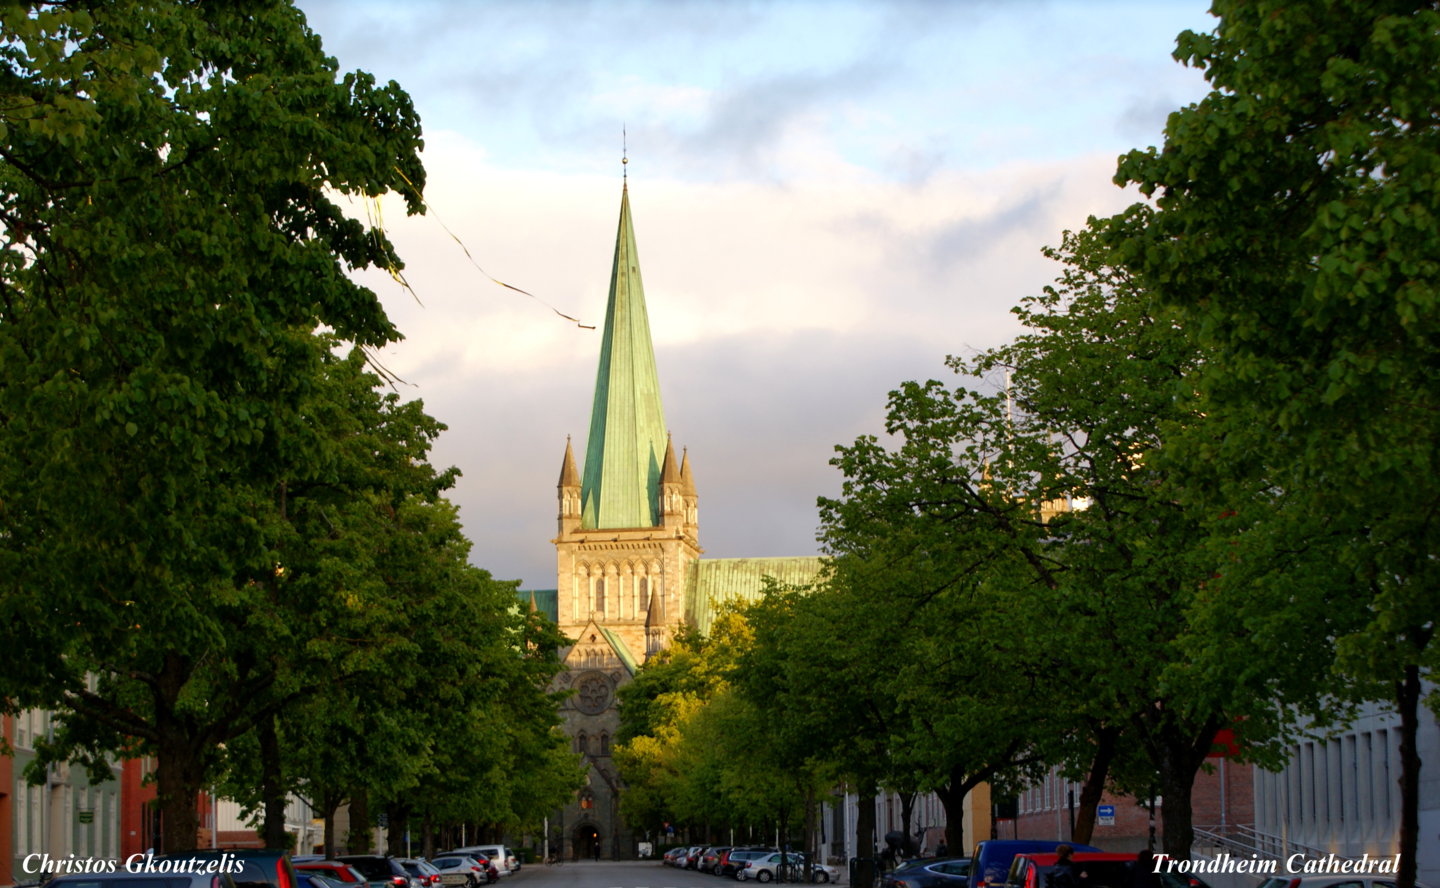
x=1095 y=870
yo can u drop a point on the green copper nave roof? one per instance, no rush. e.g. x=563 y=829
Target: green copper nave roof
x=626 y=449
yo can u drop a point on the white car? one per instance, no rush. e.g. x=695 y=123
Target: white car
x=497 y=854
x=465 y=870
x=762 y=869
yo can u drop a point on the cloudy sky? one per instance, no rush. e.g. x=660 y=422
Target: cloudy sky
x=829 y=197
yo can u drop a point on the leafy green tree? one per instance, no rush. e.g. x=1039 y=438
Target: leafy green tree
x=1045 y=527
x=691 y=750
x=168 y=174
x=1294 y=226
x=654 y=709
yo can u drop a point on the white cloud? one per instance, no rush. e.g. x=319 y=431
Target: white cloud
x=825 y=206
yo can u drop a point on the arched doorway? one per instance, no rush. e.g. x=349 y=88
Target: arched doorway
x=585 y=842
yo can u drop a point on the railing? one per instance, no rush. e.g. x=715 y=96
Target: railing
x=1247 y=840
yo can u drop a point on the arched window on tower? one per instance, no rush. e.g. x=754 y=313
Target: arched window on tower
x=582 y=743
x=643 y=597
x=604 y=743
x=587 y=799
x=600 y=597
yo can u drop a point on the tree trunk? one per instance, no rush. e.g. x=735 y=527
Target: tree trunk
x=399 y=824
x=1407 y=698
x=1180 y=760
x=952 y=797
x=179 y=773
x=809 y=831
x=866 y=867
x=1107 y=741
x=1177 y=829
x=954 y=804
x=907 y=811
x=358 y=840
x=330 y=803
x=272 y=787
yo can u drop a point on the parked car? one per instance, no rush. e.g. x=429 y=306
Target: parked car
x=337 y=870
x=711 y=858
x=723 y=867
x=929 y=872
x=1034 y=870
x=1094 y=870
x=692 y=856
x=1365 y=880
x=423 y=874
x=736 y=860
x=504 y=861
x=673 y=857
x=763 y=868
x=122 y=878
x=823 y=873
x=990 y=864
x=466 y=870
x=315 y=879
x=379 y=870
x=253 y=869
x=1178 y=880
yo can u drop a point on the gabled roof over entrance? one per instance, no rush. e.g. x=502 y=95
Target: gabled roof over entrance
x=599 y=648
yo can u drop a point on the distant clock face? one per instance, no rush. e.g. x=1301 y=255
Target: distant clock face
x=592 y=693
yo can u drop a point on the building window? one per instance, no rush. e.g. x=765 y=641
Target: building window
x=642 y=596
x=604 y=744
x=582 y=743
x=587 y=800
x=600 y=597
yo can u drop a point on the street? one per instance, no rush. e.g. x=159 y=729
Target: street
x=612 y=874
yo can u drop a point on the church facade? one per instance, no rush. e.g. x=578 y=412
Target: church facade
x=629 y=571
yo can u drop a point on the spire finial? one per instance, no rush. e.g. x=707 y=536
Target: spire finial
x=624 y=154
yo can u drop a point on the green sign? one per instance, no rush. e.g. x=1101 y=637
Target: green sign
x=87 y=815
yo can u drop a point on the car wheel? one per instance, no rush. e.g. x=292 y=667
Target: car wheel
x=764 y=876
x=821 y=876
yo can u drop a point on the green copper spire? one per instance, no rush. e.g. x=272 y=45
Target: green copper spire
x=625 y=453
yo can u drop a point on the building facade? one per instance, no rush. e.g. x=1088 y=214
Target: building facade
x=1338 y=794
x=62 y=815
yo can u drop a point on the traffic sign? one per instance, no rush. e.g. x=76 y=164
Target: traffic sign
x=1105 y=815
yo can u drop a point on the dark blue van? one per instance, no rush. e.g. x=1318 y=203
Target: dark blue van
x=990 y=865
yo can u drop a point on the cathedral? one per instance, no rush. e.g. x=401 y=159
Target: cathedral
x=628 y=557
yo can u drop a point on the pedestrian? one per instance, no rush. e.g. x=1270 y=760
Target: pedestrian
x=597 y=849
x=942 y=849
x=1063 y=875
x=1143 y=873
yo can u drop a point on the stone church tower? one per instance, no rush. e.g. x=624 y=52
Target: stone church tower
x=628 y=535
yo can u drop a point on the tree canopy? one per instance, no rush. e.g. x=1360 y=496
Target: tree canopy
x=208 y=512
x=1293 y=227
